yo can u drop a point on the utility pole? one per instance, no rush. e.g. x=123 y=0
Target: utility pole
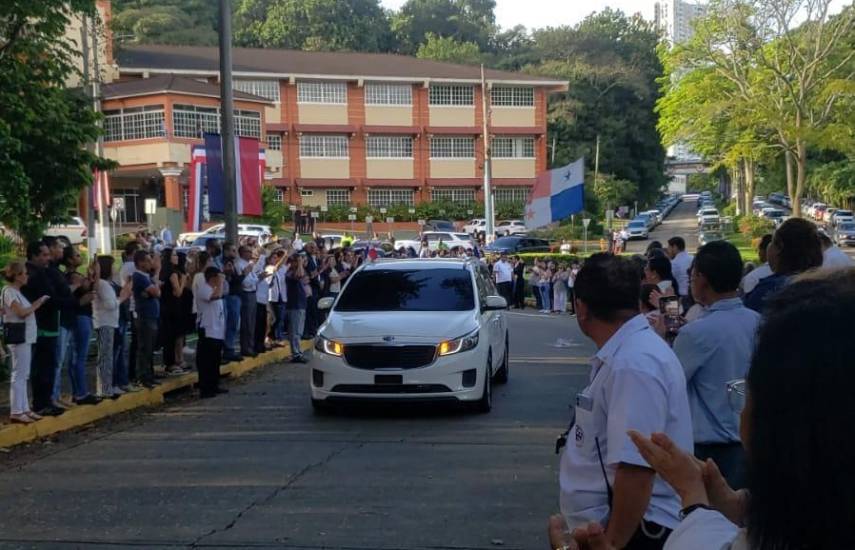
x=489 y=215
x=90 y=210
x=99 y=144
x=552 y=160
x=228 y=121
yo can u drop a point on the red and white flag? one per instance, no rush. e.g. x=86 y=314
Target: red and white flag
x=101 y=190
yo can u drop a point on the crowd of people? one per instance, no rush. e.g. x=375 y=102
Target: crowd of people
x=716 y=413
x=239 y=300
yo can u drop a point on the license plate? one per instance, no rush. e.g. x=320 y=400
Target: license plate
x=381 y=379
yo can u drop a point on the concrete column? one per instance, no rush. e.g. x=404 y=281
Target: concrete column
x=172 y=186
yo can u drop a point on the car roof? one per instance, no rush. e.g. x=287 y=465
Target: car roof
x=418 y=263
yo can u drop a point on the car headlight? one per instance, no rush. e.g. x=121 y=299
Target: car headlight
x=330 y=347
x=457 y=345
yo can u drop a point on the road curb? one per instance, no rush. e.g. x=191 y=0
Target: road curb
x=15 y=434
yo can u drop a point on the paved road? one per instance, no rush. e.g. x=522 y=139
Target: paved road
x=681 y=222
x=256 y=469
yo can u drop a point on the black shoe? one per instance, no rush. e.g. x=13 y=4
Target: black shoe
x=299 y=359
x=88 y=400
x=207 y=395
x=222 y=390
x=231 y=358
x=51 y=411
x=249 y=354
x=149 y=384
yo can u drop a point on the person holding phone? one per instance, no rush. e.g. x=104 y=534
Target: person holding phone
x=18 y=311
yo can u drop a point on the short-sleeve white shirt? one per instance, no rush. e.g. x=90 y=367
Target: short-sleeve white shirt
x=212 y=316
x=636 y=383
x=11 y=295
x=504 y=272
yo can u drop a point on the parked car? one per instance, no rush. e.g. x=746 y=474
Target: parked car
x=844 y=234
x=261 y=233
x=655 y=215
x=413 y=330
x=637 y=229
x=476 y=227
x=72 y=231
x=439 y=225
x=776 y=215
x=709 y=235
x=517 y=244
x=510 y=227
x=708 y=215
x=448 y=238
x=842 y=216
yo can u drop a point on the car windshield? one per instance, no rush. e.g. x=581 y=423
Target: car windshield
x=636 y=224
x=408 y=290
x=843 y=213
x=847 y=226
x=444 y=226
x=506 y=241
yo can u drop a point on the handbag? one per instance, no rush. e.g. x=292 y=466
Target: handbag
x=14 y=333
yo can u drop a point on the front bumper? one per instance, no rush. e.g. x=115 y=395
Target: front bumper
x=442 y=380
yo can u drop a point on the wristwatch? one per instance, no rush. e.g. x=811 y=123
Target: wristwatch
x=689 y=509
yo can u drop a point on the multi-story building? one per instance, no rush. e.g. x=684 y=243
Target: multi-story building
x=674 y=18
x=339 y=128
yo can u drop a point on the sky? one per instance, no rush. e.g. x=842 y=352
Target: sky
x=553 y=13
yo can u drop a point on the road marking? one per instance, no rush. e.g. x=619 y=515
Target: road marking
x=552 y=360
x=542 y=315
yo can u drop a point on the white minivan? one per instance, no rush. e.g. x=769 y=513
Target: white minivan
x=412 y=330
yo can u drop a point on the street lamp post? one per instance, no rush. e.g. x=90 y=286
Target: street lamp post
x=228 y=121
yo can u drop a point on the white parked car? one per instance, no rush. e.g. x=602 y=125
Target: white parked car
x=449 y=239
x=412 y=330
x=510 y=227
x=708 y=216
x=842 y=216
x=261 y=233
x=71 y=232
x=476 y=226
x=636 y=229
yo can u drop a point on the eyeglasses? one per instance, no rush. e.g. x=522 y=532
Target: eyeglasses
x=736 y=390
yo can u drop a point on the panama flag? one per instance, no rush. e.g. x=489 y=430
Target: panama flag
x=249 y=174
x=196 y=188
x=100 y=190
x=557 y=194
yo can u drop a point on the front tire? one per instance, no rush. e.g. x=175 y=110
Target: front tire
x=320 y=407
x=504 y=371
x=485 y=404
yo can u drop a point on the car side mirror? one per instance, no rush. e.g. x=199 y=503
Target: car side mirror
x=493 y=303
x=326 y=303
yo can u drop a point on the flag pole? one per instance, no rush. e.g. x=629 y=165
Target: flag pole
x=228 y=122
x=489 y=214
x=99 y=144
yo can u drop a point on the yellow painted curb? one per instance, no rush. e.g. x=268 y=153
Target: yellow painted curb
x=15 y=434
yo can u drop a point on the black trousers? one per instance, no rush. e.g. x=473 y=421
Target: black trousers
x=571 y=299
x=132 y=349
x=42 y=371
x=260 y=327
x=519 y=293
x=730 y=459
x=247 y=322
x=649 y=536
x=506 y=291
x=170 y=325
x=209 y=354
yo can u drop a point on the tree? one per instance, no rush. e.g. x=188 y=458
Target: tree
x=184 y=22
x=612 y=67
x=319 y=25
x=44 y=127
x=614 y=192
x=462 y=20
x=449 y=50
x=792 y=78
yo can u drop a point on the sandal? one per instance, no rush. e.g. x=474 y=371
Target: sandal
x=20 y=419
x=33 y=415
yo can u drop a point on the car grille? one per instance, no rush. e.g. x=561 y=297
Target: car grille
x=391 y=388
x=367 y=356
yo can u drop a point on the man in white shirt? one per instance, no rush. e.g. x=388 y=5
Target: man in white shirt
x=248 y=286
x=636 y=383
x=503 y=272
x=681 y=262
x=297 y=243
x=278 y=295
x=212 y=331
x=832 y=256
x=761 y=272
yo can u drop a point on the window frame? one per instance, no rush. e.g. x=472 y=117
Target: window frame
x=324 y=92
x=465 y=195
x=383 y=94
x=512 y=96
x=384 y=147
x=255 y=86
x=135 y=123
x=451 y=95
x=274 y=137
x=393 y=196
x=336 y=200
x=452 y=146
x=517 y=194
x=513 y=147
x=325 y=141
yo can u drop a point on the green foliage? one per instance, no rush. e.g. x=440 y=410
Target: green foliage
x=319 y=25
x=755 y=226
x=615 y=192
x=185 y=22
x=462 y=20
x=44 y=127
x=702 y=182
x=448 y=49
x=834 y=182
x=274 y=212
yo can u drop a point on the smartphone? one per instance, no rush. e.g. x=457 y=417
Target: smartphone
x=669 y=307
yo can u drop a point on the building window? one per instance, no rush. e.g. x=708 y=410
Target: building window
x=513 y=147
x=380 y=147
x=323 y=146
x=511 y=194
x=338 y=197
x=388 y=94
x=191 y=121
x=274 y=142
x=134 y=123
x=278 y=194
x=322 y=92
x=268 y=89
x=452 y=147
x=512 y=97
x=447 y=94
x=307 y=193
x=387 y=197
x=453 y=194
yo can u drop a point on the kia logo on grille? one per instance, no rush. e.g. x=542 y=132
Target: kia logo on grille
x=388 y=338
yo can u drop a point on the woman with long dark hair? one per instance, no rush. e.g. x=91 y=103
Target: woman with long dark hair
x=172 y=320
x=797 y=410
x=658 y=272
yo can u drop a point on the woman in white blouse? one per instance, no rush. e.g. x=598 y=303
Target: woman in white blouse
x=105 y=319
x=17 y=309
x=797 y=411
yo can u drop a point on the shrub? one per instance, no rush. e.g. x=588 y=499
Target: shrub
x=754 y=226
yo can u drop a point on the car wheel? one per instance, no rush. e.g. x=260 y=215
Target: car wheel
x=504 y=371
x=320 y=407
x=64 y=240
x=485 y=404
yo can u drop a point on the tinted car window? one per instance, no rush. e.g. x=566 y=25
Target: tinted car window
x=508 y=242
x=408 y=290
x=437 y=236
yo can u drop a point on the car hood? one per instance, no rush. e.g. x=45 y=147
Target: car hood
x=403 y=326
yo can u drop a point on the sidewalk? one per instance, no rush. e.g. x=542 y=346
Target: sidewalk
x=15 y=434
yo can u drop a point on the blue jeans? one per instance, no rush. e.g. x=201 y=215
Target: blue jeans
x=545 y=298
x=278 y=321
x=120 y=365
x=232 y=323
x=77 y=368
x=296 y=324
x=63 y=343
